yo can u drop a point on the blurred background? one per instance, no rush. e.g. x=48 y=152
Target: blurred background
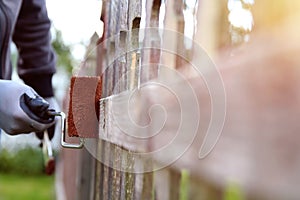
x=76 y=26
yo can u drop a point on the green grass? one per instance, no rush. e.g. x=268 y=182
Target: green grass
x=22 y=187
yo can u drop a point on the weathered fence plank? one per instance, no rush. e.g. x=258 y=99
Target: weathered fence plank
x=257 y=152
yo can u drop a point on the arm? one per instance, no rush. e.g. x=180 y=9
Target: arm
x=36 y=62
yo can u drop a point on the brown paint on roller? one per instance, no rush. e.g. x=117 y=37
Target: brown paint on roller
x=83 y=115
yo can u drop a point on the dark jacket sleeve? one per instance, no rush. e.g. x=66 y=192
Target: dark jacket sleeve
x=36 y=62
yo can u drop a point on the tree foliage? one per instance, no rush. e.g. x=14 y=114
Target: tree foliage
x=27 y=160
x=63 y=51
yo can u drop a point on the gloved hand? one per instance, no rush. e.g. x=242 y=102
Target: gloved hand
x=51 y=130
x=13 y=119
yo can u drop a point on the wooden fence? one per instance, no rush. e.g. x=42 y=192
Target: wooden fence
x=241 y=166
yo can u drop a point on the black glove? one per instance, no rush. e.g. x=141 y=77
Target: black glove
x=53 y=105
